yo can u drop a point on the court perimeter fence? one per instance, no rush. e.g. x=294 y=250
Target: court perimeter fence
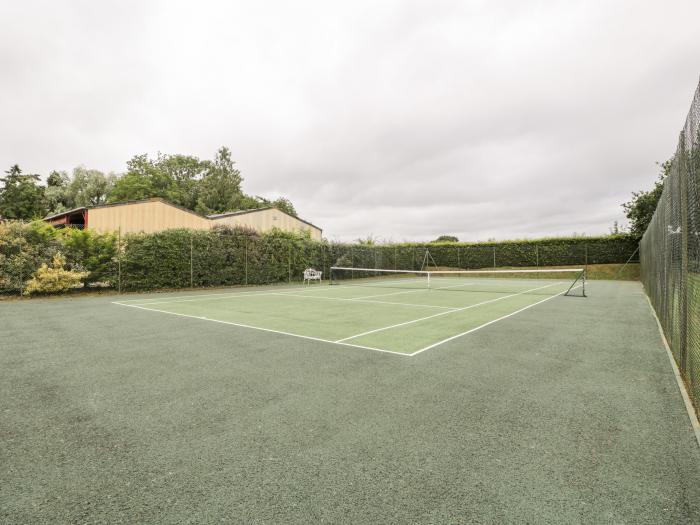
x=230 y=257
x=670 y=254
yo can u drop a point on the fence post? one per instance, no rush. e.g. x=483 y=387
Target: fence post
x=537 y=256
x=191 y=260
x=289 y=260
x=459 y=263
x=21 y=238
x=683 y=172
x=245 y=260
x=494 y=256
x=119 y=260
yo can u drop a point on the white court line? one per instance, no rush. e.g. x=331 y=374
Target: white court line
x=486 y=324
x=392 y=293
x=426 y=289
x=228 y=295
x=264 y=329
x=360 y=300
x=217 y=296
x=443 y=313
x=694 y=423
x=205 y=295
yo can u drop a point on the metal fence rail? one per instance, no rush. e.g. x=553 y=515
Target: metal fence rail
x=670 y=254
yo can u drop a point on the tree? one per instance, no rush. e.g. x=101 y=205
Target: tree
x=185 y=173
x=89 y=187
x=220 y=189
x=56 y=192
x=142 y=180
x=446 y=238
x=281 y=203
x=21 y=197
x=205 y=186
x=86 y=187
x=640 y=209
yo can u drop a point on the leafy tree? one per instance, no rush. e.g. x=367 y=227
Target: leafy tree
x=89 y=187
x=172 y=177
x=280 y=203
x=201 y=185
x=57 y=179
x=85 y=187
x=220 y=189
x=640 y=209
x=21 y=197
x=185 y=172
x=142 y=180
x=446 y=238
x=56 y=192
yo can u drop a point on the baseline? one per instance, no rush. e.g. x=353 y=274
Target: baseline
x=265 y=329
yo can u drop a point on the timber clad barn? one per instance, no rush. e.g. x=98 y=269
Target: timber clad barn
x=265 y=219
x=154 y=215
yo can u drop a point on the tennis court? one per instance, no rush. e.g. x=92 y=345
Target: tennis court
x=562 y=410
x=398 y=312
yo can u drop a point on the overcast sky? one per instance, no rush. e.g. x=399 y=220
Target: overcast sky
x=398 y=119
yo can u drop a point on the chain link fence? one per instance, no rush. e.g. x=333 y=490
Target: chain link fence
x=226 y=257
x=670 y=254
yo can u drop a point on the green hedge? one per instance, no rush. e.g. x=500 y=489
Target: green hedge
x=230 y=257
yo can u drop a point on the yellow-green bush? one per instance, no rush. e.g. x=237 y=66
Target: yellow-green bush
x=54 y=278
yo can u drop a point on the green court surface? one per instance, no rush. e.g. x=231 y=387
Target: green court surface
x=170 y=408
x=403 y=316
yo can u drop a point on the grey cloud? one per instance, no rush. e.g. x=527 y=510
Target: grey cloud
x=405 y=120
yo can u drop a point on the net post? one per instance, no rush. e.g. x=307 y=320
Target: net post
x=580 y=277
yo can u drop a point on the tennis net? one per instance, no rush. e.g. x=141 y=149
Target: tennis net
x=569 y=281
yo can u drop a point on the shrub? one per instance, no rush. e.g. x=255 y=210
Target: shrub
x=91 y=251
x=55 y=278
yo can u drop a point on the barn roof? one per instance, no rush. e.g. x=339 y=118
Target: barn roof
x=216 y=216
x=125 y=203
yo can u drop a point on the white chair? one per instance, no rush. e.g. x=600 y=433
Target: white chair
x=310 y=274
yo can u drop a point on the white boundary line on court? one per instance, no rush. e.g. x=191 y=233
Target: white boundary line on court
x=359 y=300
x=204 y=297
x=415 y=290
x=443 y=313
x=679 y=379
x=486 y=324
x=263 y=329
x=392 y=352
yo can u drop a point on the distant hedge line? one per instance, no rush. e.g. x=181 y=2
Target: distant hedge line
x=225 y=257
